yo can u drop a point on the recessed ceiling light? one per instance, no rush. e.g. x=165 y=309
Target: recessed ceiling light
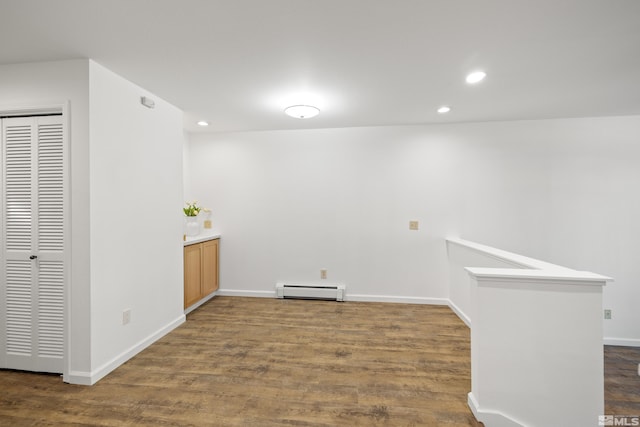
x=476 y=77
x=203 y=123
x=302 y=111
x=444 y=109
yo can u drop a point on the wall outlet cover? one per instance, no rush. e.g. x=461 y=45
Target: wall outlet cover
x=126 y=317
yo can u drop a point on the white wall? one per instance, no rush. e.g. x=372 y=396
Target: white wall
x=185 y=164
x=549 y=317
x=38 y=84
x=126 y=225
x=601 y=167
x=563 y=191
x=460 y=257
x=536 y=350
x=291 y=202
x=136 y=221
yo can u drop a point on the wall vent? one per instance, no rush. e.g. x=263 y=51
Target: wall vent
x=310 y=291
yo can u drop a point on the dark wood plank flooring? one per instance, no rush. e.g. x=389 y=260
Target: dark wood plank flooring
x=621 y=380
x=266 y=362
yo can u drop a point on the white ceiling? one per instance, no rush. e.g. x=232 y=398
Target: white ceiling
x=239 y=63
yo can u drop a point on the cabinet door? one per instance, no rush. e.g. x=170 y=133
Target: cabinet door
x=192 y=274
x=209 y=266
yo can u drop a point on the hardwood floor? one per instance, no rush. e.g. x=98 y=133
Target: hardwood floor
x=267 y=362
x=621 y=380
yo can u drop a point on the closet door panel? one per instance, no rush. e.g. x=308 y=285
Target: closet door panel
x=50 y=244
x=32 y=314
x=19 y=313
x=18 y=173
x=50 y=187
x=50 y=326
x=17 y=243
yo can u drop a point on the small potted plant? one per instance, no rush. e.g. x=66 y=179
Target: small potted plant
x=191 y=212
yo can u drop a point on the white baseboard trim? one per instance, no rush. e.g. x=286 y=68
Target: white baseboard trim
x=393 y=299
x=625 y=342
x=460 y=313
x=77 y=377
x=239 y=293
x=90 y=378
x=348 y=297
x=199 y=303
x=490 y=418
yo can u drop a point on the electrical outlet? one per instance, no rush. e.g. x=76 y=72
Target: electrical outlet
x=607 y=314
x=413 y=225
x=126 y=316
x=323 y=273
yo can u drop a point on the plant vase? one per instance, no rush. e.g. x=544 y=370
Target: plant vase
x=193 y=226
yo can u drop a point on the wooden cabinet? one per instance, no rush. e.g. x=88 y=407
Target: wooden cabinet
x=200 y=270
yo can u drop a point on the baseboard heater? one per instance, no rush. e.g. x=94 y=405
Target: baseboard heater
x=326 y=292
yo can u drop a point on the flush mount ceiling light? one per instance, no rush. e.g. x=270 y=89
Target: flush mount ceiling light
x=476 y=77
x=302 y=111
x=444 y=109
x=203 y=123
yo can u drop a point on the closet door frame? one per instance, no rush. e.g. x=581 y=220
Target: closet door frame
x=47 y=108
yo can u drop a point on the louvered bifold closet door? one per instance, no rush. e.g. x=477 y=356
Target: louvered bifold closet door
x=33 y=241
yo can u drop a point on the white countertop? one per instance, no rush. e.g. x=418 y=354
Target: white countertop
x=205 y=234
